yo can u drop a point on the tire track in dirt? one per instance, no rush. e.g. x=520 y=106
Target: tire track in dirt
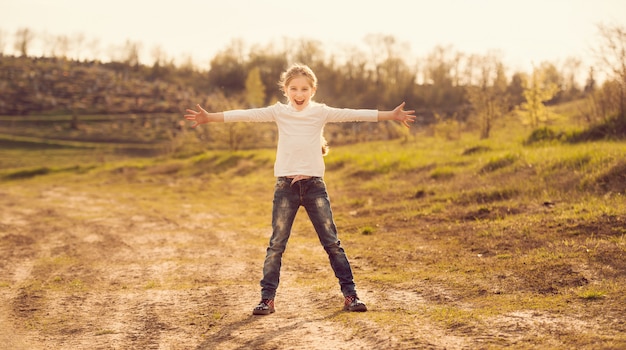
x=17 y=250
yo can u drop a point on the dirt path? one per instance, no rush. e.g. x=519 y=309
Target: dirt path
x=87 y=270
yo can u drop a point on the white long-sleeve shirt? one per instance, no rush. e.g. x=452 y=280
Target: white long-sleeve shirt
x=299 y=150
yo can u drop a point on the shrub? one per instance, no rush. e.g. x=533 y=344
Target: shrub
x=498 y=163
x=544 y=134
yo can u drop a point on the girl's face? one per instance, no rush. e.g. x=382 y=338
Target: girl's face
x=299 y=91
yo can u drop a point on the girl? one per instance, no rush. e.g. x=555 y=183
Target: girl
x=299 y=170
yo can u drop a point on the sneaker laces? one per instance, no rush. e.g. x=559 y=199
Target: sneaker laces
x=266 y=302
x=351 y=299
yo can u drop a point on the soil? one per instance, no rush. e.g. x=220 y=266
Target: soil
x=117 y=261
x=100 y=269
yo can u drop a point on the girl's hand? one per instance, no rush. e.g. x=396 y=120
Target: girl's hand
x=405 y=117
x=200 y=117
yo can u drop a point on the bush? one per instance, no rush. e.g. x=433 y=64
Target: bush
x=27 y=173
x=542 y=135
x=499 y=163
x=613 y=128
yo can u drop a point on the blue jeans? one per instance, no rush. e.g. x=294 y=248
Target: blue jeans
x=311 y=194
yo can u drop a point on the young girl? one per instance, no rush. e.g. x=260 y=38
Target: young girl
x=299 y=170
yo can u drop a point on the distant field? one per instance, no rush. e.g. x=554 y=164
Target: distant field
x=123 y=128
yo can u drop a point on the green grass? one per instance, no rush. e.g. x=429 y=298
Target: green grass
x=592 y=294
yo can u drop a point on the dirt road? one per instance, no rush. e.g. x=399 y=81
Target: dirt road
x=103 y=270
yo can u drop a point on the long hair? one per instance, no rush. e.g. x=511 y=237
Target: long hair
x=325 y=148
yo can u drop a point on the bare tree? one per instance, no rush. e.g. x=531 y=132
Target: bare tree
x=611 y=55
x=309 y=51
x=23 y=39
x=489 y=98
x=439 y=66
x=571 y=71
x=78 y=41
x=383 y=48
x=2 y=42
x=159 y=56
x=63 y=46
x=456 y=68
x=93 y=46
x=131 y=52
x=49 y=44
x=470 y=62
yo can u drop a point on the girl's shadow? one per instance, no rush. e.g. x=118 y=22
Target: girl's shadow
x=226 y=333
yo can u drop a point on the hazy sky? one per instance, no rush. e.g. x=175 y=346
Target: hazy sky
x=525 y=31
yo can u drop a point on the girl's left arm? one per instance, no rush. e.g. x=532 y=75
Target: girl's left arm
x=399 y=114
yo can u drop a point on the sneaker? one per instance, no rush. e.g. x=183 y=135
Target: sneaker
x=353 y=303
x=265 y=307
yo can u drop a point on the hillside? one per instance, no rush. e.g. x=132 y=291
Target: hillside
x=44 y=85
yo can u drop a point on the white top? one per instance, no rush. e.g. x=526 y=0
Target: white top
x=299 y=149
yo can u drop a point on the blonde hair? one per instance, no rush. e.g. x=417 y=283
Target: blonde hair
x=297 y=70
x=325 y=148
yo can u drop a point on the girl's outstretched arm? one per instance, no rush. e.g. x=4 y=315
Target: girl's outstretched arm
x=399 y=114
x=202 y=117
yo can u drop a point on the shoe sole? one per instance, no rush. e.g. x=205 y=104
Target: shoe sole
x=263 y=312
x=360 y=308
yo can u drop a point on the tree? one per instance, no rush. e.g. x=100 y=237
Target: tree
x=2 y=42
x=383 y=48
x=93 y=46
x=590 y=83
x=551 y=76
x=228 y=70
x=78 y=41
x=611 y=54
x=62 y=46
x=353 y=85
x=537 y=91
x=489 y=99
x=602 y=103
x=23 y=39
x=255 y=90
x=130 y=54
x=271 y=62
x=439 y=66
x=515 y=90
x=392 y=78
x=438 y=75
x=570 y=71
x=309 y=51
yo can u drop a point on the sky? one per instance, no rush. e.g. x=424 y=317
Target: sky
x=525 y=32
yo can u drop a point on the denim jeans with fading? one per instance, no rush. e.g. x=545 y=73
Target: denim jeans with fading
x=311 y=194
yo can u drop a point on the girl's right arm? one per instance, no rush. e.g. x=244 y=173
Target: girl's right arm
x=202 y=117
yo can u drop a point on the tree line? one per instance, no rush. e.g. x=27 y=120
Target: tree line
x=445 y=86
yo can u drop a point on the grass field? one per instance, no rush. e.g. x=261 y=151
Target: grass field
x=455 y=244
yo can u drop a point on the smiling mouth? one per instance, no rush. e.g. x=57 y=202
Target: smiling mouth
x=299 y=103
